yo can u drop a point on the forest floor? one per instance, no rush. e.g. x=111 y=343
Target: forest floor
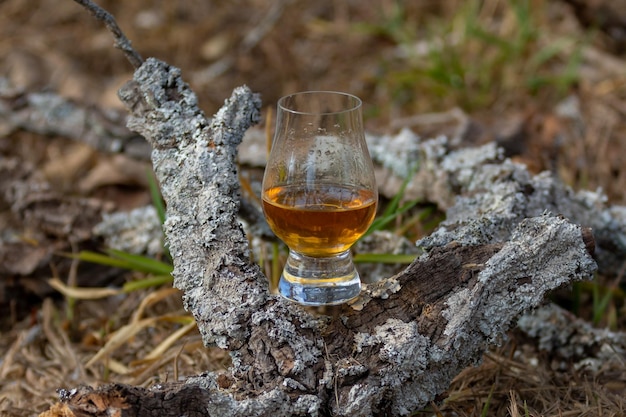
x=546 y=79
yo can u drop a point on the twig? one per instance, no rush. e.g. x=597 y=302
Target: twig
x=121 y=41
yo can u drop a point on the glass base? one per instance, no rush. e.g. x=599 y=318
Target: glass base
x=319 y=281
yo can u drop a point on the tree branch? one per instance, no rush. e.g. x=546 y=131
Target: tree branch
x=121 y=41
x=400 y=343
x=390 y=352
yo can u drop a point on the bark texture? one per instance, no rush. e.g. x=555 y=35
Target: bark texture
x=388 y=353
x=47 y=113
x=471 y=183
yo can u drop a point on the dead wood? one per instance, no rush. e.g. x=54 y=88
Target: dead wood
x=395 y=348
x=469 y=183
x=569 y=339
x=390 y=352
x=49 y=114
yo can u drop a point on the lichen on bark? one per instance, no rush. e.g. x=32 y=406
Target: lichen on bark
x=397 y=346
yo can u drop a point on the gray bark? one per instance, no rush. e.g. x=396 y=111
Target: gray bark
x=402 y=341
x=47 y=113
x=478 y=182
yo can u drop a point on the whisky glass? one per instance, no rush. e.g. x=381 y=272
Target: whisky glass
x=319 y=194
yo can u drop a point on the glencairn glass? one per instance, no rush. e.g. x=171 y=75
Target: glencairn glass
x=319 y=194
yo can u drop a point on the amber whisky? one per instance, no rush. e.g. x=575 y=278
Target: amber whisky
x=321 y=220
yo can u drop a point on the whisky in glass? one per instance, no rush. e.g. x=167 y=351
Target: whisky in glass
x=319 y=194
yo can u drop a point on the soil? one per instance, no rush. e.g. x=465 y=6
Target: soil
x=55 y=187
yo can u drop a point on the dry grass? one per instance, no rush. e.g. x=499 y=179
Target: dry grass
x=402 y=60
x=47 y=352
x=507 y=384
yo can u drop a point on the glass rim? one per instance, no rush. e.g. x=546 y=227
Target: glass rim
x=355 y=104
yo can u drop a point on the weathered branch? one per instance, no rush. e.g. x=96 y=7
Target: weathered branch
x=399 y=344
x=478 y=182
x=394 y=348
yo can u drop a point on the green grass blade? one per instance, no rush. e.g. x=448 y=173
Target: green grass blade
x=600 y=303
x=544 y=55
x=485 y=411
x=157 y=199
x=385 y=219
x=395 y=201
x=384 y=258
x=101 y=259
x=154 y=281
x=142 y=263
x=392 y=211
x=119 y=259
x=489 y=38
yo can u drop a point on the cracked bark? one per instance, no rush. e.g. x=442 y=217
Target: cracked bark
x=388 y=353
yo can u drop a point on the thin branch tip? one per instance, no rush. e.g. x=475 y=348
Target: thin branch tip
x=121 y=41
